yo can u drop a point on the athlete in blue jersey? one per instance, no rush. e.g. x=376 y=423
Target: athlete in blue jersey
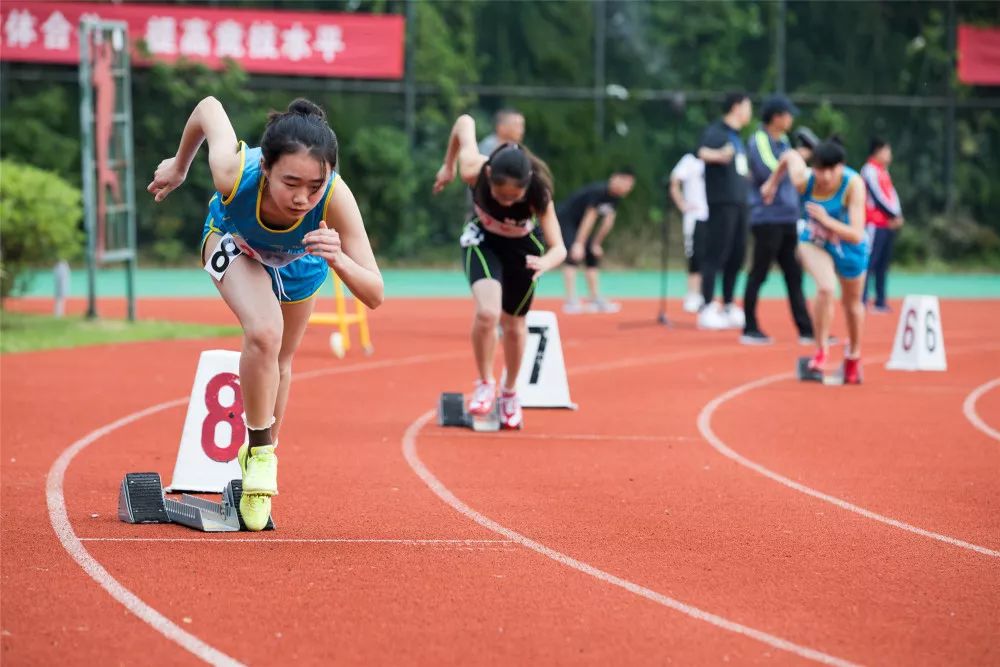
x=280 y=219
x=832 y=245
x=511 y=194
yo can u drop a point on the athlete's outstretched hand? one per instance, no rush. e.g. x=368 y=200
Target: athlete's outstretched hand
x=445 y=175
x=166 y=179
x=537 y=264
x=324 y=242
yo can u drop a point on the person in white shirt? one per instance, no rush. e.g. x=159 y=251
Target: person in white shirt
x=687 y=189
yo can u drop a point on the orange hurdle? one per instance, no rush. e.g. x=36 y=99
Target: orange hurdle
x=340 y=341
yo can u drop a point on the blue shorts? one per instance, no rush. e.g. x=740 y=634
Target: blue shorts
x=293 y=282
x=850 y=260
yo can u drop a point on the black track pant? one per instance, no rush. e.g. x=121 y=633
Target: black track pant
x=776 y=241
x=725 y=248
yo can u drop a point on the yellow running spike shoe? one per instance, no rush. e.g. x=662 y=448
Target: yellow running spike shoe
x=256 y=510
x=260 y=482
x=260 y=470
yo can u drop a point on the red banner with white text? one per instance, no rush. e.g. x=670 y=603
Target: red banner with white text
x=979 y=55
x=267 y=42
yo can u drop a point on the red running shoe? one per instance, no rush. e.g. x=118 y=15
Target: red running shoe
x=511 y=416
x=818 y=361
x=483 y=398
x=852 y=371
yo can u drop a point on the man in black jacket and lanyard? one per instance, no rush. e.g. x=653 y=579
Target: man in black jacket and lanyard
x=726 y=189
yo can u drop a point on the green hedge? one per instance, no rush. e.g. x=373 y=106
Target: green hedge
x=39 y=222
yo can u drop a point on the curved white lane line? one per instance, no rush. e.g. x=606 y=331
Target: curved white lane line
x=442 y=492
x=60 y=522
x=969 y=408
x=705 y=426
x=59 y=518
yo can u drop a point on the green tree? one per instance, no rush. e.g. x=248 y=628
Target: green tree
x=40 y=217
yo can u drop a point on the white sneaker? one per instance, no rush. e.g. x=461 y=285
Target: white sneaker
x=693 y=301
x=572 y=307
x=600 y=305
x=712 y=318
x=484 y=397
x=735 y=316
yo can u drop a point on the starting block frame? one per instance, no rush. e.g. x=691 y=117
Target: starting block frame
x=806 y=374
x=452 y=412
x=141 y=500
x=344 y=320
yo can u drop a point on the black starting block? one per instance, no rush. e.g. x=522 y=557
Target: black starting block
x=451 y=412
x=806 y=374
x=141 y=500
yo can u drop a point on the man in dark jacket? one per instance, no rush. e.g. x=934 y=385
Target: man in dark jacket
x=773 y=225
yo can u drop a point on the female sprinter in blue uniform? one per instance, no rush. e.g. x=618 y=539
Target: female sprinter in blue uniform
x=832 y=244
x=511 y=194
x=280 y=220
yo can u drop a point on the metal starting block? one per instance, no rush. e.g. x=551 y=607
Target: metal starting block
x=141 y=500
x=451 y=412
x=806 y=374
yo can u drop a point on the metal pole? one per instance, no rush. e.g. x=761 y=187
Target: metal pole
x=410 y=83
x=950 y=140
x=133 y=259
x=779 y=47
x=600 y=32
x=87 y=132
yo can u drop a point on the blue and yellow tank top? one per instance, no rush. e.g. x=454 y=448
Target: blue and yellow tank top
x=239 y=214
x=834 y=205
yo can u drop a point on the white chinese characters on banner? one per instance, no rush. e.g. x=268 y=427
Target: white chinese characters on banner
x=194 y=38
x=329 y=41
x=229 y=39
x=269 y=41
x=295 y=43
x=19 y=30
x=161 y=35
x=262 y=41
x=57 y=31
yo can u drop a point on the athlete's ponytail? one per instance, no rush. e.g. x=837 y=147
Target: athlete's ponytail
x=303 y=125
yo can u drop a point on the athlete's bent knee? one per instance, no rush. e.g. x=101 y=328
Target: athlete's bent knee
x=263 y=337
x=487 y=316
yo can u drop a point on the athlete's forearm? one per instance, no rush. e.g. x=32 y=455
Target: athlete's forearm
x=715 y=155
x=606 y=225
x=365 y=284
x=194 y=134
x=554 y=255
x=586 y=226
x=844 y=232
x=677 y=195
x=462 y=131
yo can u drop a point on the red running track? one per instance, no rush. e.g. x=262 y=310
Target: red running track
x=615 y=534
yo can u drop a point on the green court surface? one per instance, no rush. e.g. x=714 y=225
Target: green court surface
x=444 y=283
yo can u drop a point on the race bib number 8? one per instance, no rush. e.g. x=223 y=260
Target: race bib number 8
x=220 y=259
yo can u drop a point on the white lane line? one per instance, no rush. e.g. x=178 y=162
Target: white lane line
x=442 y=492
x=569 y=436
x=705 y=426
x=64 y=530
x=58 y=517
x=300 y=540
x=969 y=408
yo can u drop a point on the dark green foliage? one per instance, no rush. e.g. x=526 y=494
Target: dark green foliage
x=39 y=222
x=858 y=68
